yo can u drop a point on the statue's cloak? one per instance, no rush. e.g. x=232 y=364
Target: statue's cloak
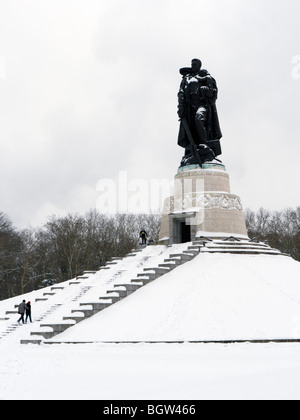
x=213 y=129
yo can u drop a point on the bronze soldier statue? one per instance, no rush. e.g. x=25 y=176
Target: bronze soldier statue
x=199 y=131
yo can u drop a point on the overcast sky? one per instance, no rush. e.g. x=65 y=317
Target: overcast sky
x=88 y=88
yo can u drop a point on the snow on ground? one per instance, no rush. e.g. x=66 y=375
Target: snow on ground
x=150 y=372
x=213 y=297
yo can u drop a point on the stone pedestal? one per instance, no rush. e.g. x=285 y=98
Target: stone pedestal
x=202 y=205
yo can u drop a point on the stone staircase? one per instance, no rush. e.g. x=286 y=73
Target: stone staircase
x=45 y=296
x=53 y=290
x=113 y=295
x=234 y=245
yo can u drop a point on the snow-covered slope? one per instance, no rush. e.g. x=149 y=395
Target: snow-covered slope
x=213 y=297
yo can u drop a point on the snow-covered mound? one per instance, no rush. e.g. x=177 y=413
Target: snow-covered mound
x=213 y=297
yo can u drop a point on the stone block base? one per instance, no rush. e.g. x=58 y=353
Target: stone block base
x=202 y=205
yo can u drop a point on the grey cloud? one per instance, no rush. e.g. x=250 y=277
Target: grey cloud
x=90 y=89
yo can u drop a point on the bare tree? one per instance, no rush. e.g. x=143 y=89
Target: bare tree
x=280 y=228
x=10 y=243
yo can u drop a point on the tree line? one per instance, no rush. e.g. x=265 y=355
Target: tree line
x=64 y=247
x=280 y=229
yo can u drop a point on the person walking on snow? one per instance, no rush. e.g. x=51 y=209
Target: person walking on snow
x=28 y=311
x=21 y=311
x=143 y=236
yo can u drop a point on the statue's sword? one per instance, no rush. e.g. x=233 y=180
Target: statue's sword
x=191 y=140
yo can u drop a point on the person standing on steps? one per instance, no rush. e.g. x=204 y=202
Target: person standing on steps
x=21 y=311
x=143 y=236
x=28 y=311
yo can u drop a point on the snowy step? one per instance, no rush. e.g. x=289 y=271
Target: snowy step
x=44 y=334
x=241 y=251
x=58 y=328
x=77 y=318
x=57 y=288
x=148 y=276
x=87 y=312
x=195 y=248
x=48 y=312
x=96 y=306
x=144 y=281
x=121 y=293
x=112 y=294
x=176 y=261
x=191 y=252
x=158 y=270
x=131 y=288
x=237 y=246
x=202 y=242
x=184 y=257
x=113 y=299
x=170 y=266
x=233 y=243
x=32 y=341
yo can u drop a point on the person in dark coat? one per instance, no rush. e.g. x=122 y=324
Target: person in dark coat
x=28 y=311
x=21 y=311
x=143 y=236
